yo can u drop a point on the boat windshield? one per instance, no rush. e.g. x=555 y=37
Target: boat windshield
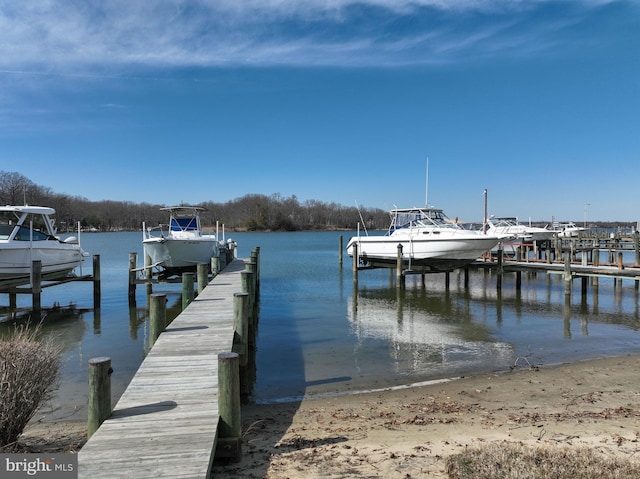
x=24 y=224
x=504 y=222
x=184 y=224
x=421 y=218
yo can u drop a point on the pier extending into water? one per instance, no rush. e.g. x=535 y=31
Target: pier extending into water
x=182 y=408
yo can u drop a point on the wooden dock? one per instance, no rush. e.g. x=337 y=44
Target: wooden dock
x=165 y=425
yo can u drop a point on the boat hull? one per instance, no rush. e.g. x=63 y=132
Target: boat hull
x=427 y=254
x=180 y=253
x=57 y=259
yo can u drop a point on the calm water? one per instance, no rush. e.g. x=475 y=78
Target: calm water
x=319 y=335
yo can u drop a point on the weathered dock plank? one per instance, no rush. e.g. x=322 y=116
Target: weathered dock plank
x=165 y=424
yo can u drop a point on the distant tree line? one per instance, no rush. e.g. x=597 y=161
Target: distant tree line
x=253 y=212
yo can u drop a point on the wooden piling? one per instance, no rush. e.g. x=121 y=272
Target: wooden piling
x=340 y=251
x=36 y=285
x=248 y=286
x=157 y=316
x=187 y=290
x=567 y=274
x=355 y=262
x=241 y=326
x=133 y=261
x=203 y=276
x=229 y=429
x=399 y=276
x=96 y=281
x=99 y=406
x=500 y=271
x=215 y=266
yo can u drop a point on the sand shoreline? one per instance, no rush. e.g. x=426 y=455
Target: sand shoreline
x=409 y=431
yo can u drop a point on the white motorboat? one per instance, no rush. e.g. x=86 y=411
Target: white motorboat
x=431 y=242
x=521 y=233
x=180 y=245
x=567 y=230
x=28 y=234
x=518 y=233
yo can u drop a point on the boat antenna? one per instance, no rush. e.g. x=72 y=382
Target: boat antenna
x=426 y=189
x=361 y=219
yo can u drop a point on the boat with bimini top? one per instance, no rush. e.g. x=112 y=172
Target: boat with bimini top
x=430 y=241
x=28 y=234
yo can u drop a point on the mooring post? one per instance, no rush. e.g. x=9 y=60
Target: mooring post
x=99 y=407
x=203 y=276
x=230 y=425
x=355 y=262
x=36 y=285
x=96 y=281
x=340 y=251
x=133 y=261
x=187 y=290
x=567 y=273
x=399 y=276
x=241 y=326
x=255 y=258
x=215 y=266
x=148 y=274
x=248 y=286
x=157 y=316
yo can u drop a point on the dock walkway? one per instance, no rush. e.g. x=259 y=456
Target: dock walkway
x=165 y=424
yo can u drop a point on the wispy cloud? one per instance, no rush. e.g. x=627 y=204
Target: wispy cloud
x=85 y=35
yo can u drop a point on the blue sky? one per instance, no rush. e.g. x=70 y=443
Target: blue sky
x=172 y=101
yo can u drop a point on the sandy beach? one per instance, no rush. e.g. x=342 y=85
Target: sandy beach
x=409 y=432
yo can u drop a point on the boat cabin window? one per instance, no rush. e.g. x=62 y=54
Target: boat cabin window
x=24 y=234
x=5 y=231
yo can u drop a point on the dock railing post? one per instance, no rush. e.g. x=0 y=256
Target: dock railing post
x=229 y=431
x=99 y=406
x=157 y=316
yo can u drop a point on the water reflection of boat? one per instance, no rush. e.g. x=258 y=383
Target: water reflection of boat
x=433 y=338
x=28 y=234
x=430 y=242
